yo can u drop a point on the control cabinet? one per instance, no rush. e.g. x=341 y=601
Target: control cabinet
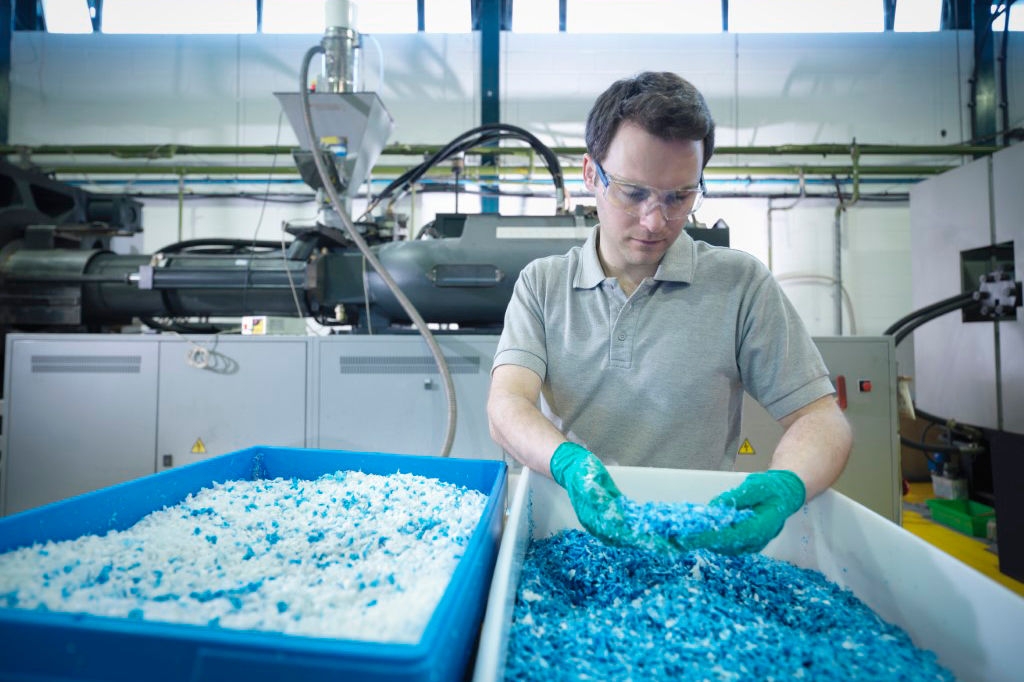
x=863 y=369
x=82 y=412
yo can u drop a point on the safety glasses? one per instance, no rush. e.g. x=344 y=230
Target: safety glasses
x=638 y=200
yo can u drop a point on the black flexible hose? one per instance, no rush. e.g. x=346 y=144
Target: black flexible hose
x=181 y=327
x=895 y=326
x=900 y=330
x=219 y=246
x=964 y=430
x=929 y=447
x=477 y=137
x=933 y=314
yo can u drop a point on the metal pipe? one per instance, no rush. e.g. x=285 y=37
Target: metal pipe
x=837 y=270
x=150 y=151
x=181 y=207
x=476 y=172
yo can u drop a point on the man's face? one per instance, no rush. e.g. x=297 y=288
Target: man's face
x=631 y=245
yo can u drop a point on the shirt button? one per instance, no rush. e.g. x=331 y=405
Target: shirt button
x=622 y=337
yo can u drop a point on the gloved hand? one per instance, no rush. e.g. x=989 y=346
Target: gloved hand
x=773 y=496
x=594 y=496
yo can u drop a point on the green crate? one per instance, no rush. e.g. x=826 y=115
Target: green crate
x=966 y=516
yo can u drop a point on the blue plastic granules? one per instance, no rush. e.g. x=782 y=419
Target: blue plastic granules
x=678 y=519
x=585 y=610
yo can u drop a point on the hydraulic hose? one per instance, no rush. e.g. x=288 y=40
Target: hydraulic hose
x=934 y=312
x=934 y=447
x=895 y=326
x=900 y=330
x=357 y=239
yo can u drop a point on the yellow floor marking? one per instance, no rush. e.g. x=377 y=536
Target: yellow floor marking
x=971 y=551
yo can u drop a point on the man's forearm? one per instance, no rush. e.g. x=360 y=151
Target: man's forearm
x=815 y=446
x=523 y=431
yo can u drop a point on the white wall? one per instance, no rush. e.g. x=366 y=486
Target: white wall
x=959 y=366
x=895 y=88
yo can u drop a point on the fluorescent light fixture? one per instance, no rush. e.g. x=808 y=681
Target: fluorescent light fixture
x=67 y=16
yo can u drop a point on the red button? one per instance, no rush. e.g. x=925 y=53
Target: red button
x=865 y=386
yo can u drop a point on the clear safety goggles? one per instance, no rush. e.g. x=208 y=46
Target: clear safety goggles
x=638 y=200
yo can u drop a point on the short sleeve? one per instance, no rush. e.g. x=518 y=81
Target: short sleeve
x=523 y=339
x=779 y=364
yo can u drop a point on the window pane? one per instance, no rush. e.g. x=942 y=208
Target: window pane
x=294 y=16
x=918 y=15
x=447 y=16
x=643 y=16
x=308 y=16
x=387 y=16
x=179 y=16
x=535 y=16
x=805 y=16
x=67 y=16
x=1016 y=18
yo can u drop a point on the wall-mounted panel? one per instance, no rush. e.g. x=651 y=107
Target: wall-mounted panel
x=955 y=372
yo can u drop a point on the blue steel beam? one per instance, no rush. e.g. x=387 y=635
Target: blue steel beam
x=489 y=15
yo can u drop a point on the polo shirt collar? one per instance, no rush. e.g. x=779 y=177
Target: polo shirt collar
x=590 y=274
x=677 y=265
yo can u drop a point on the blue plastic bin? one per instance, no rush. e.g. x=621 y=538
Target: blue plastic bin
x=64 y=646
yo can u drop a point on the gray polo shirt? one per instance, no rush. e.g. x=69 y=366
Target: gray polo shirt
x=657 y=379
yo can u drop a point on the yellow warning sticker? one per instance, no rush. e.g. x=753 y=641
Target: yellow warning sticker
x=746 y=448
x=198 y=448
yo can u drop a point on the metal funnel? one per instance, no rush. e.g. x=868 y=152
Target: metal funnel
x=359 y=122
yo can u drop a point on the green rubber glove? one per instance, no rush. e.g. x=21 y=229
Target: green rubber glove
x=773 y=496
x=593 y=495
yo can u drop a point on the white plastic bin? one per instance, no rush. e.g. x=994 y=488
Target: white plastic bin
x=971 y=622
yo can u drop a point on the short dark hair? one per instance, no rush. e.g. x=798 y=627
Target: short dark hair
x=662 y=103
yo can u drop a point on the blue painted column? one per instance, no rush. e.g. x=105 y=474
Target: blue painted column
x=490 y=104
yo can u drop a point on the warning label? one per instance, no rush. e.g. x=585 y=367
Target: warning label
x=199 y=448
x=746 y=448
x=254 y=325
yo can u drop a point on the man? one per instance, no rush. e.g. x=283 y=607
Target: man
x=642 y=341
